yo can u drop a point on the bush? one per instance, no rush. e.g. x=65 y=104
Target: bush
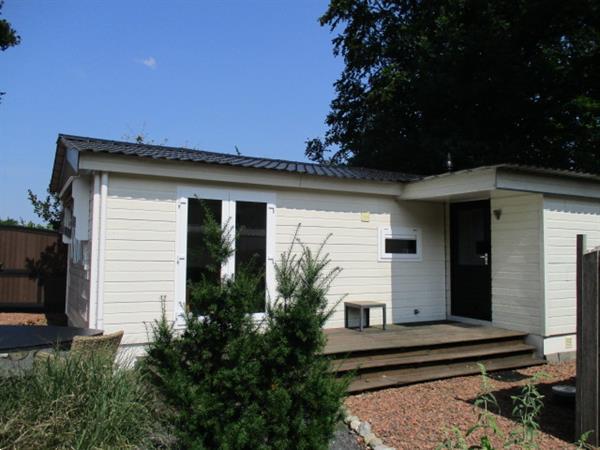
x=77 y=403
x=304 y=397
x=233 y=383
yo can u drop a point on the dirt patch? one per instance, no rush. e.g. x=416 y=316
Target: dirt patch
x=419 y=416
x=22 y=318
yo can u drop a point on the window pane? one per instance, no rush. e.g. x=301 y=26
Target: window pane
x=471 y=236
x=404 y=246
x=197 y=258
x=251 y=245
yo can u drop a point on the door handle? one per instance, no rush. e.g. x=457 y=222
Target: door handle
x=486 y=259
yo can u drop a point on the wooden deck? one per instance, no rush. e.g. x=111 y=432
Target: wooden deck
x=344 y=340
x=411 y=353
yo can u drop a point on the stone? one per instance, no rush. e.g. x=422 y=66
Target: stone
x=383 y=447
x=367 y=437
x=350 y=419
x=364 y=429
x=355 y=424
x=374 y=441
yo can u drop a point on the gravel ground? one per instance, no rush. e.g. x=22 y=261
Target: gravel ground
x=417 y=416
x=22 y=318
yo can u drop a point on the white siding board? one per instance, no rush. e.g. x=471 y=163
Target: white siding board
x=445 y=186
x=124 y=244
x=140 y=254
x=517 y=277
x=139 y=276
x=78 y=289
x=564 y=218
x=78 y=292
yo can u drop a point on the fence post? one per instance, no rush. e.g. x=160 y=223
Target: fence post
x=579 y=341
x=588 y=343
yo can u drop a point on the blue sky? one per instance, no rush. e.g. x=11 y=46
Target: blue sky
x=206 y=74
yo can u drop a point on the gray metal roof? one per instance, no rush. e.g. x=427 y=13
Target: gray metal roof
x=88 y=144
x=159 y=152
x=524 y=168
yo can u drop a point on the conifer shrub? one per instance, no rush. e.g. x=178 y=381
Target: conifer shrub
x=231 y=382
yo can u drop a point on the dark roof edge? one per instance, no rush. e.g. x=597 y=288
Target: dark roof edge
x=160 y=152
x=57 y=165
x=549 y=171
x=518 y=168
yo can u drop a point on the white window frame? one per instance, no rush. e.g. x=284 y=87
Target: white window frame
x=400 y=233
x=228 y=197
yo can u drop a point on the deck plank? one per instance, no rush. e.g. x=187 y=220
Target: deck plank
x=343 y=340
x=430 y=356
x=403 y=377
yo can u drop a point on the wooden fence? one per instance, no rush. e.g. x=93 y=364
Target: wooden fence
x=32 y=268
x=587 y=414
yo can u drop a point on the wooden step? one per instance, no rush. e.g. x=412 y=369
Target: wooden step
x=431 y=355
x=341 y=342
x=401 y=377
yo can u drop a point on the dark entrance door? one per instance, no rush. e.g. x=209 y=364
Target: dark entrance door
x=470 y=256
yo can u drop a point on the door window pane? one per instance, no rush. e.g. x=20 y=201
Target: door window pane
x=472 y=245
x=251 y=244
x=199 y=263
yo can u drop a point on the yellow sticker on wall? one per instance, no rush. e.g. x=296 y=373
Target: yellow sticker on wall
x=365 y=216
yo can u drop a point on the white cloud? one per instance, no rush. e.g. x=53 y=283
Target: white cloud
x=149 y=62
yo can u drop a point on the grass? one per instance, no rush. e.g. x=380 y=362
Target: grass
x=78 y=403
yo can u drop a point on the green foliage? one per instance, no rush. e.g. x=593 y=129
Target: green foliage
x=51 y=264
x=78 y=403
x=9 y=221
x=488 y=81
x=48 y=209
x=526 y=409
x=304 y=398
x=8 y=36
x=583 y=444
x=234 y=383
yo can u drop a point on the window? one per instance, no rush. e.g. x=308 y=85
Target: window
x=199 y=263
x=251 y=244
x=399 y=243
x=249 y=215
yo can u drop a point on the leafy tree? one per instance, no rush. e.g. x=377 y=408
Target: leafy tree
x=49 y=209
x=20 y=223
x=8 y=36
x=487 y=81
x=232 y=383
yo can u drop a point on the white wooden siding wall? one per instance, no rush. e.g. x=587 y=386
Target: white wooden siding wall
x=140 y=254
x=78 y=290
x=563 y=219
x=353 y=246
x=140 y=251
x=78 y=294
x=517 y=277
